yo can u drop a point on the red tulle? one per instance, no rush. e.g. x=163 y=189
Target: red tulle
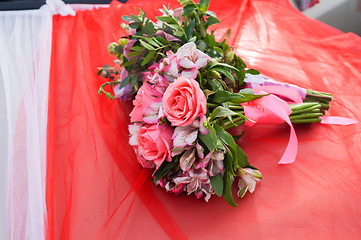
x=97 y=190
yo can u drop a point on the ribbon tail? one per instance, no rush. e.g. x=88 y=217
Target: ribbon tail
x=338 y=120
x=289 y=156
x=281 y=110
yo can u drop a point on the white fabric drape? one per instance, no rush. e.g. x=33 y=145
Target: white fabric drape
x=25 y=50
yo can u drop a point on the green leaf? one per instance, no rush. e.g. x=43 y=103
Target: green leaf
x=210 y=140
x=130 y=62
x=178 y=33
x=135 y=18
x=238 y=157
x=222 y=112
x=165 y=168
x=151 y=41
x=134 y=80
x=212 y=20
x=228 y=180
x=247 y=90
x=186 y=2
x=225 y=96
x=149 y=28
x=212 y=14
x=126 y=18
x=225 y=137
x=134 y=54
x=193 y=39
x=190 y=28
x=137 y=48
x=253 y=71
x=224 y=65
x=146 y=45
x=162 y=40
x=188 y=9
x=148 y=57
x=220 y=52
x=210 y=40
x=240 y=61
x=99 y=72
x=217 y=184
x=124 y=82
x=203 y=5
x=226 y=73
x=135 y=25
x=201 y=45
x=143 y=17
x=166 y=19
x=242 y=159
x=228 y=33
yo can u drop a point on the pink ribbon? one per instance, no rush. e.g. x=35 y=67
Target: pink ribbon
x=288 y=94
x=271 y=109
x=338 y=120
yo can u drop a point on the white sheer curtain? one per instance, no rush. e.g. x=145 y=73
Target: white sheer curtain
x=25 y=50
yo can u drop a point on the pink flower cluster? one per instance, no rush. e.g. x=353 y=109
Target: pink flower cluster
x=167 y=118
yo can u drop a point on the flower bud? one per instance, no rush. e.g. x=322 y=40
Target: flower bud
x=111 y=48
x=123 y=41
x=214 y=74
x=109 y=95
x=230 y=56
x=106 y=73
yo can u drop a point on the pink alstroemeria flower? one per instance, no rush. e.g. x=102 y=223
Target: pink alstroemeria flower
x=247 y=181
x=169 y=67
x=168 y=183
x=191 y=59
x=167 y=36
x=127 y=48
x=214 y=161
x=147 y=105
x=198 y=182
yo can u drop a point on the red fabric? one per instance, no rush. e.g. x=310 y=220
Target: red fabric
x=92 y=169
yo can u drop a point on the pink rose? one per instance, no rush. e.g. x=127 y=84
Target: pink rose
x=183 y=102
x=154 y=145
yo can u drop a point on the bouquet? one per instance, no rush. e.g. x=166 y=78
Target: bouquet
x=188 y=90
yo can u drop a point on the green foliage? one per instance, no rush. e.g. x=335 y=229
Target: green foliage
x=165 y=168
x=217 y=184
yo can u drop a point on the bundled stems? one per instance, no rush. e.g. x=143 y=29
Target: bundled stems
x=322 y=98
x=302 y=113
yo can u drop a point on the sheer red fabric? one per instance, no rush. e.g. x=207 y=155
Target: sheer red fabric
x=97 y=190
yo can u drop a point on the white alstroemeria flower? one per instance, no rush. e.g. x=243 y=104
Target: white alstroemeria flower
x=247 y=181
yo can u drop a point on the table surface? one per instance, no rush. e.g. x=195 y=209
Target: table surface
x=91 y=168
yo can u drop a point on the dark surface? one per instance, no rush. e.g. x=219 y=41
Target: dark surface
x=36 y=4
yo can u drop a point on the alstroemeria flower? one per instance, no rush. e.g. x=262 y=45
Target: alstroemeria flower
x=127 y=48
x=191 y=59
x=184 y=136
x=187 y=159
x=167 y=36
x=133 y=134
x=247 y=181
x=214 y=161
x=147 y=105
x=168 y=183
x=197 y=182
x=169 y=67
